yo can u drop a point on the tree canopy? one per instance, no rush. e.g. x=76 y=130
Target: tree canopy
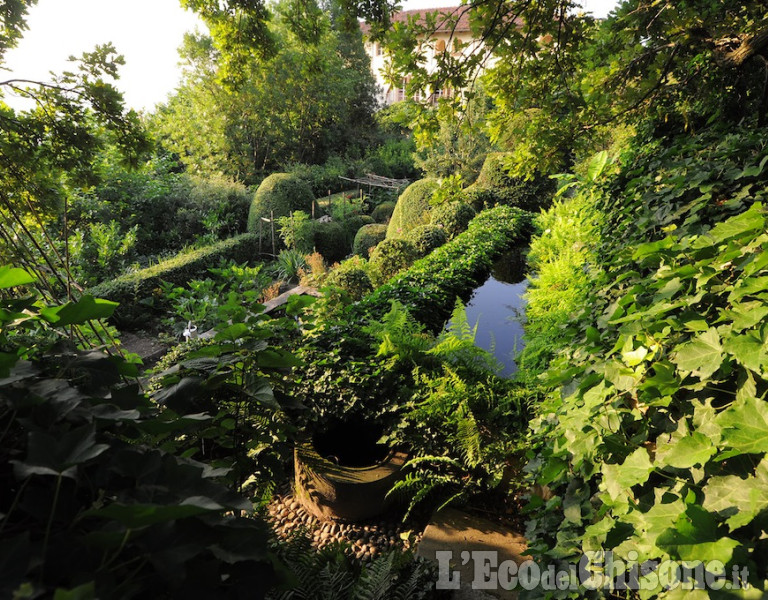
x=310 y=95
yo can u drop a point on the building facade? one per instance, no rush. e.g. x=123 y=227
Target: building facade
x=451 y=33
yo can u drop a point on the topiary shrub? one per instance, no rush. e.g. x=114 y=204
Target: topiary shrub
x=426 y=238
x=494 y=186
x=352 y=225
x=389 y=258
x=281 y=194
x=352 y=277
x=367 y=237
x=453 y=218
x=383 y=212
x=412 y=208
x=331 y=241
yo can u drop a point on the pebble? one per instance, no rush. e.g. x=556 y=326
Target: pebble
x=366 y=541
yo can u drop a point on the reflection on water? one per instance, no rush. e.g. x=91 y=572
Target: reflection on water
x=497 y=306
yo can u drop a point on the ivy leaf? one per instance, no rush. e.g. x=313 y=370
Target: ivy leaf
x=745 y=426
x=693 y=449
x=746 y=350
x=694 y=537
x=741 y=500
x=750 y=220
x=635 y=469
x=702 y=356
x=747 y=314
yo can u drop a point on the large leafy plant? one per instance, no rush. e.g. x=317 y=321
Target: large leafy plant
x=91 y=506
x=655 y=445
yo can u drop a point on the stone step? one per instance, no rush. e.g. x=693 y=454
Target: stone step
x=461 y=534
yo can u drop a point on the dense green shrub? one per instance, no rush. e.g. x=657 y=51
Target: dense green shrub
x=383 y=212
x=430 y=287
x=331 y=241
x=393 y=158
x=453 y=217
x=216 y=207
x=297 y=231
x=389 y=258
x=412 y=208
x=367 y=237
x=352 y=225
x=97 y=497
x=326 y=178
x=279 y=194
x=426 y=238
x=163 y=210
x=352 y=277
x=134 y=291
x=494 y=186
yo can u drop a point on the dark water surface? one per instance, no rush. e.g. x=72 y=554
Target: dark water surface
x=498 y=308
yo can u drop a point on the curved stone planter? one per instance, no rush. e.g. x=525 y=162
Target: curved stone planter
x=331 y=491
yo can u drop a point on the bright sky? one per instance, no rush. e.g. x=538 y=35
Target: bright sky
x=146 y=32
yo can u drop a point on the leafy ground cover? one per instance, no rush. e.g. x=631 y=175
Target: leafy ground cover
x=654 y=444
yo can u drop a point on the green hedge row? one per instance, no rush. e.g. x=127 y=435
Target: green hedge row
x=430 y=287
x=134 y=291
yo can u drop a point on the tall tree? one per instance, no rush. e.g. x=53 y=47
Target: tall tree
x=46 y=147
x=558 y=77
x=312 y=96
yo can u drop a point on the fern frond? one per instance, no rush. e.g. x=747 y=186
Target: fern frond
x=468 y=438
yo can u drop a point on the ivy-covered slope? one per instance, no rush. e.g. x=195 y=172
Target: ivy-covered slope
x=655 y=439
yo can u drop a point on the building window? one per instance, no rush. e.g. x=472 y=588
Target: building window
x=439 y=46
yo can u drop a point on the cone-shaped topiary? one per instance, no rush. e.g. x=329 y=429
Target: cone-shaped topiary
x=367 y=237
x=412 y=208
x=281 y=194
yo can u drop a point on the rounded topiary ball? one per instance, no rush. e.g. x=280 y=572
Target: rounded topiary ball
x=331 y=241
x=383 y=212
x=453 y=217
x=279 y=194
x=412 y=208
x=352 y=277
x=426 y=238
x=389 y=258
x=367 y=237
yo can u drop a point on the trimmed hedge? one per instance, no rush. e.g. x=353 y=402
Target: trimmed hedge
x=453 y=217
x=134 y=291
x=412 y=208
x=426 y=238
x=367 y=237
x=281 y=194
x=430 y=287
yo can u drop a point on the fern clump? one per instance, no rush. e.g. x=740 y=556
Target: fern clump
x=330 y=574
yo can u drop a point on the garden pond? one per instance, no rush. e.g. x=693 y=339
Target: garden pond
x=497 y=306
